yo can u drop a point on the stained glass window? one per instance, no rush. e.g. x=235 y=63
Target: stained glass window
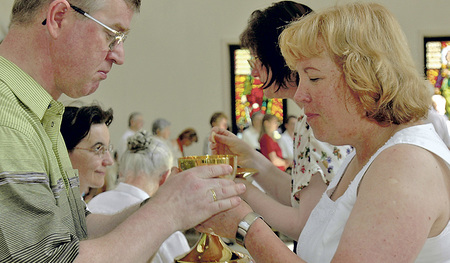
x=437 y=69
x=247 y=94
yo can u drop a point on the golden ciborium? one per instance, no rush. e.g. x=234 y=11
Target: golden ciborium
x=210 y=247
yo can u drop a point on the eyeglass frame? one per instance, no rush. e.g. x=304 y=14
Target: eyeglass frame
x=119 y=37
x=100 y=151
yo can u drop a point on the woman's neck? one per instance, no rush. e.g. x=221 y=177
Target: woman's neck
x=373 y=139
x=143 y=182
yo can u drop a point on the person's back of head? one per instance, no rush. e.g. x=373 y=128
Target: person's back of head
x=261 y=36
x=159 y=125
x=189 y=134
x=77 y=121
x=147 y=155
x=135 y=121
x=367 y=42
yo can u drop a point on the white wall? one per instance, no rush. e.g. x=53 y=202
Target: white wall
x=177 y=62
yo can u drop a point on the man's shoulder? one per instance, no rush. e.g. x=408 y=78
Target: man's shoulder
x=13 y=113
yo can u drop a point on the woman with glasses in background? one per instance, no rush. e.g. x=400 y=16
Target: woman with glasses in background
x=86 y=134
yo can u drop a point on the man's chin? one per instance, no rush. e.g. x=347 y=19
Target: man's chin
x=93 y=89
x=88 y=90
x=84 y=92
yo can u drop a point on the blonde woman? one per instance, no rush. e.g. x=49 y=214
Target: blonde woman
x=390 y=202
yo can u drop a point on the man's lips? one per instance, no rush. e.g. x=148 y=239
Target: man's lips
x=103 y=74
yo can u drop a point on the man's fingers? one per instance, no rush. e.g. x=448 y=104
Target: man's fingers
x=222 y=192
x=210 y=171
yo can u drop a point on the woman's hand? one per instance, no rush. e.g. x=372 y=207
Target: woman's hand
x=225 y=142
x=225 y=224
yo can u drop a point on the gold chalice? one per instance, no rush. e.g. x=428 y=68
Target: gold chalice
x=210 y=247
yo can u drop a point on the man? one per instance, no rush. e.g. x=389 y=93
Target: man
x=135 y=124
x=56 y=47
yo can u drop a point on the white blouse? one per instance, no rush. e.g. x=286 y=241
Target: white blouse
x=320 y=237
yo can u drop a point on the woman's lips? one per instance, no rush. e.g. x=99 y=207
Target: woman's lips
x=310 y=116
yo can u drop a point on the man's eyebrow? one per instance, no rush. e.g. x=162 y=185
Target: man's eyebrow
x=120 y=28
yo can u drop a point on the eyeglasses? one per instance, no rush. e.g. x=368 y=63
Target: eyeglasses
x=98 y=149
x=116 y=38
x=252 y=62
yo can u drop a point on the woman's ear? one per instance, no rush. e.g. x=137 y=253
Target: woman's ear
x=56 y=14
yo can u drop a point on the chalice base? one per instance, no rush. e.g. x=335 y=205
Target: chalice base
x=211 y=248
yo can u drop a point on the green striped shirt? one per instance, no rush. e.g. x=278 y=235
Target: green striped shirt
x=42 y=217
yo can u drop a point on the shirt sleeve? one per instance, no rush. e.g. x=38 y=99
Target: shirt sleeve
x=33 y=227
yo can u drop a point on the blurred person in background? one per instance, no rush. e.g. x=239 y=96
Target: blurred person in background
x=268 y=143
x=218 y=119
x=185 y=139
x=252 y=133
x=135 y=124
x=286 y=141
x=161 y=129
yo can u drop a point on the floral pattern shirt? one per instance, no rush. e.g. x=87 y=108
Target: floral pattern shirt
x=312 y=156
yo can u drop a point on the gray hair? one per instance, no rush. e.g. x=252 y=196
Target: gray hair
x=25 y=11
x=145 y=153
x=159 y=124
x=133 y=116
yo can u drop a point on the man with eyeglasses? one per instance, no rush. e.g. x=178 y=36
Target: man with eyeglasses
x=67 y=47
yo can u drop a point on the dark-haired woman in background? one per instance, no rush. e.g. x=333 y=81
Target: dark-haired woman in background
x=86 y=134
x=186 y=138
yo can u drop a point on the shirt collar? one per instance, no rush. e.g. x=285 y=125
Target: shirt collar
x=132 y=190
x=27 y=90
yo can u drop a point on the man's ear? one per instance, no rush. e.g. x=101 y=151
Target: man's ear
x=164 y=177
x=57 y=12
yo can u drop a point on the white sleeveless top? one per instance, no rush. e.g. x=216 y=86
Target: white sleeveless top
x=320 y=237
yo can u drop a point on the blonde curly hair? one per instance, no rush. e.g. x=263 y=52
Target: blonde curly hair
x=366 y=41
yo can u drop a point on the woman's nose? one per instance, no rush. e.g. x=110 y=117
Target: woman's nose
x=107 y=159
x=301 y=95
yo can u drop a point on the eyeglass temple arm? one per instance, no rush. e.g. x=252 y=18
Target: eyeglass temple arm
x=79 y=10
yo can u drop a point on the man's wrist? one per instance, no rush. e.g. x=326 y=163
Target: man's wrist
x=244 y=227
